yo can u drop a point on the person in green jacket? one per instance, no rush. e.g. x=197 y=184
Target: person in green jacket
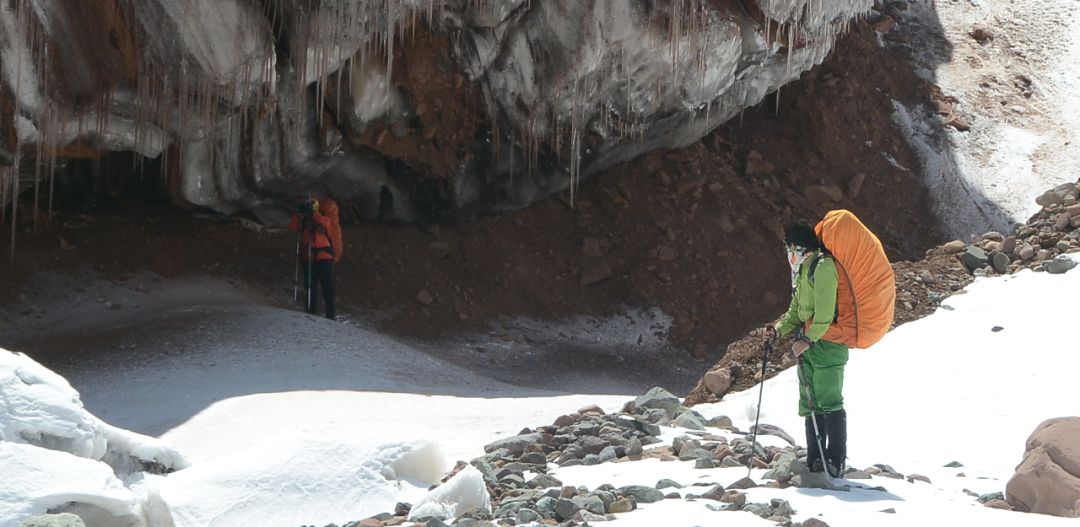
x=820 y=362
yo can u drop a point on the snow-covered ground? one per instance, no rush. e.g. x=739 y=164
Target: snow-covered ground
x=318 y=449
x=1019 y=91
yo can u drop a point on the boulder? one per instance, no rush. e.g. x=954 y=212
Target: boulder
x=659 y=398
x=974 y=258
x=954 y=247
x=1059 y=265
x=516 y=444
x=717 y=381
x=1047 y=481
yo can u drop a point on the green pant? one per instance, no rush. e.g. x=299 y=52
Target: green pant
x=822 y=370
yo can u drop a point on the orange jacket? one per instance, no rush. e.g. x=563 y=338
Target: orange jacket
x=329 y=208
x=316 y=236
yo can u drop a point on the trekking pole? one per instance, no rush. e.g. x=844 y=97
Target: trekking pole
x=766 y=349
x=296 y=275
x=310 y=276
x=813 y=416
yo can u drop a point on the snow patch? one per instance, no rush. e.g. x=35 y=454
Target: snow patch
x=462 y=493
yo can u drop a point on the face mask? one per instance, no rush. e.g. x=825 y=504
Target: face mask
x=796 y=256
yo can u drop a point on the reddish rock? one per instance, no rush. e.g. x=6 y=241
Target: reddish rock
x=718 y=381
x=954 y=247
x=1047 y=481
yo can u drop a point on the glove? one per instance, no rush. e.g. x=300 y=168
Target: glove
x=800 y=346
x=769 y=335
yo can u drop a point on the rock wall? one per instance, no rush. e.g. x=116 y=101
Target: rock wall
x=409 y=110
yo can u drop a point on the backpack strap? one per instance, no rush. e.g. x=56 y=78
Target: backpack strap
x=817 y=259
x=813 y=268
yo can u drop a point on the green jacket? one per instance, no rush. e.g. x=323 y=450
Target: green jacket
x=812 y=302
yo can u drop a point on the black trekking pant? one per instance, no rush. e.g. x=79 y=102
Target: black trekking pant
x=316 y=275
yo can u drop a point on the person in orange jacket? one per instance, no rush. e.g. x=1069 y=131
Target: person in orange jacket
x=317 y=222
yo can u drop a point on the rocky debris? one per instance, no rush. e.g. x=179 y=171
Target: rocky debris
x=1047 y=481
x=516 y=469
x=1040 y=245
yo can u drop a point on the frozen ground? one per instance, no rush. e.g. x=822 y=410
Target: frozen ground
x=1019 y=91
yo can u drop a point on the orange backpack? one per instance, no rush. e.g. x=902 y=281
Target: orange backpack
x=866 y=291
x=329 y=208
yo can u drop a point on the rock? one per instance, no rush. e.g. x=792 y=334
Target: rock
x=999 y=261
x=515 y=445
x=1047 y=481
x=954 y=247
x=1059 y=265
x=621 y=505
x=591 y=409
x=1026 y=252
x=717 y=381
x=690 y=419
x=546 y=506
x=659 y=398
x=592 y=504
x=590 y=444
x=1063 y=246
x=1056 y=195
x=543 y=481
x=925 y=276
x=954 y=464
x=974 y=258
x=720 y=421
x=998 y=504
x=1008 y=246
x=993 y=236
x=633 y=447
x=402 y=509
x=982 y=34
x=565 y=509
x=53 y=520
x=607 y=454
x=642 y=493
x=666 y=253
x=912 y=478
x=425 y=298
x=1073 y=210
x=983 y=498
x=716 y=493
x=743 y=484
x=814 y=522
x=1062 y=221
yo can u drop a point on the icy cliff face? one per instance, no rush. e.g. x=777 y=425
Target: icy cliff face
x=408 y=109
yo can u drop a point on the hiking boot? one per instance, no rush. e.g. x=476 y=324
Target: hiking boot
x=817 y=466
x=836 y=451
